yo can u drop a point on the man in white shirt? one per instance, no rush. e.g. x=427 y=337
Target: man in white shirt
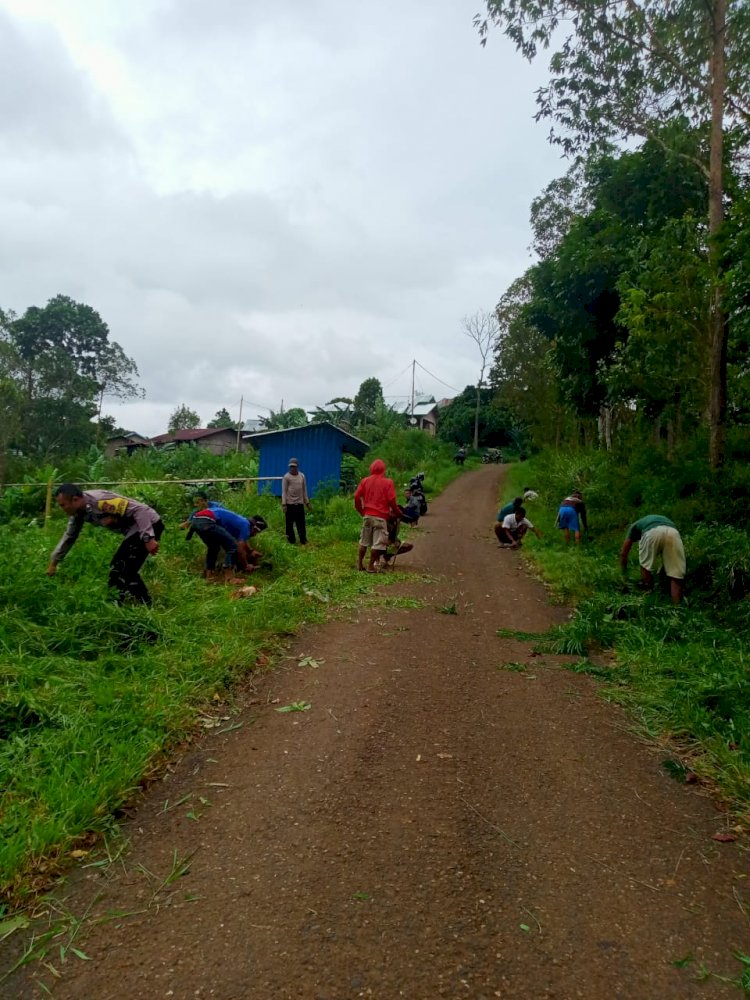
x=294 y=502
x=514 y=527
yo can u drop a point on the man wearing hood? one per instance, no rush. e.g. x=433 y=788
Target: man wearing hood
x=375 y=500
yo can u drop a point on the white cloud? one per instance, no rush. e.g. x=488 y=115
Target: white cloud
x=274 y=201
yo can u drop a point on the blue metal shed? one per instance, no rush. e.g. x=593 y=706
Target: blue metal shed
x=318 y=448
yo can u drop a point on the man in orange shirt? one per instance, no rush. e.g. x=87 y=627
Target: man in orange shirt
x=375 y=500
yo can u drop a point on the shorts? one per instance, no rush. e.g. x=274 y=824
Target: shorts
x=374 y=533
x=663 y=541
x=567 y=517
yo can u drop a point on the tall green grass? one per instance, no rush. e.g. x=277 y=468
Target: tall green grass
x=93 y=695
x=684 y=672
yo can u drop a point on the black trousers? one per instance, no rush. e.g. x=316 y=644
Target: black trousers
x=216 y=538
x=125 y=568
x=295 y=517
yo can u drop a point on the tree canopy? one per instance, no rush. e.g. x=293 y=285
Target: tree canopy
x=57 y=361
x=653 y=69
x=222 y=419
x=369 y=397
x=611 y=321
x=183 y=419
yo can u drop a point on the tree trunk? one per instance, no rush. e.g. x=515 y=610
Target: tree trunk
x=717 y=325
x=604 y=426
x=670 y=439
x=476 y=416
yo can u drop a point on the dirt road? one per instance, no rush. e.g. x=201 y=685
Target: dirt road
x=434 y=826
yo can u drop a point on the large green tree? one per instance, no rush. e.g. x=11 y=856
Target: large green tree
x=457 y=421
x=632 y=209
x=369 y=397
x=222 y=419
x=738 y=296
x=524 y=376
x=664 y=297
x=625 y=68
x=183 y=419
x=62 y=363
x=77 y=331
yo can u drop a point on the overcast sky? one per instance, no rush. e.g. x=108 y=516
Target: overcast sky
x=275 y=200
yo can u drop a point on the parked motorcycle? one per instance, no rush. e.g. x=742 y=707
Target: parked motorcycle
x=417 y=490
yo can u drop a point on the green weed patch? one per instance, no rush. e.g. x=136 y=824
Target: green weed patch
x=683 y=672
x=93 y=696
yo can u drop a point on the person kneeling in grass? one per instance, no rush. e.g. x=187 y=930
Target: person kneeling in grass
x=508 y=508
x=141 y=525
x=514 y=527
x=657 y=537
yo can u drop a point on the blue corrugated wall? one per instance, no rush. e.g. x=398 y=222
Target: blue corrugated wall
x=318 y=450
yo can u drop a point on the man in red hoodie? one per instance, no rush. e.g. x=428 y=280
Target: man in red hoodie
x=375 y=500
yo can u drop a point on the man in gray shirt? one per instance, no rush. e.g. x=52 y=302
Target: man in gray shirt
x=294 y=502
x=141 y=525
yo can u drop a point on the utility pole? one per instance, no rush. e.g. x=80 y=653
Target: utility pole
x=239 y=425
x=413 y=367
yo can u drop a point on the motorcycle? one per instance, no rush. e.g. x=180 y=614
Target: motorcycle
x=417 y=491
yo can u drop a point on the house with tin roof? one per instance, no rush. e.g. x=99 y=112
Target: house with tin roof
x=217 y=440
x=422 y=414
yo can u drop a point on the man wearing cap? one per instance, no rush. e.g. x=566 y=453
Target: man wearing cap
x=294 y=502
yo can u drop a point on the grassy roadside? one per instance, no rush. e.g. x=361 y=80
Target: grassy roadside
x=682 y=672
x=93 y=696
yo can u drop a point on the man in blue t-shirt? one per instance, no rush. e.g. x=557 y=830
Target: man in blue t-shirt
x=221 y=528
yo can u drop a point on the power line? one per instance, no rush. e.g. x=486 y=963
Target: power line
x=397 y=376
x=403 y=372
x=260 y=405
x=439 y=379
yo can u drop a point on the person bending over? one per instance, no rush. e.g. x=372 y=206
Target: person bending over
x=141 y=526
x=571 y=515
x=658 y=538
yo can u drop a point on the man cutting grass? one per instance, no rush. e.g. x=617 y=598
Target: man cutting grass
x=141 y=525
x=658 y=539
